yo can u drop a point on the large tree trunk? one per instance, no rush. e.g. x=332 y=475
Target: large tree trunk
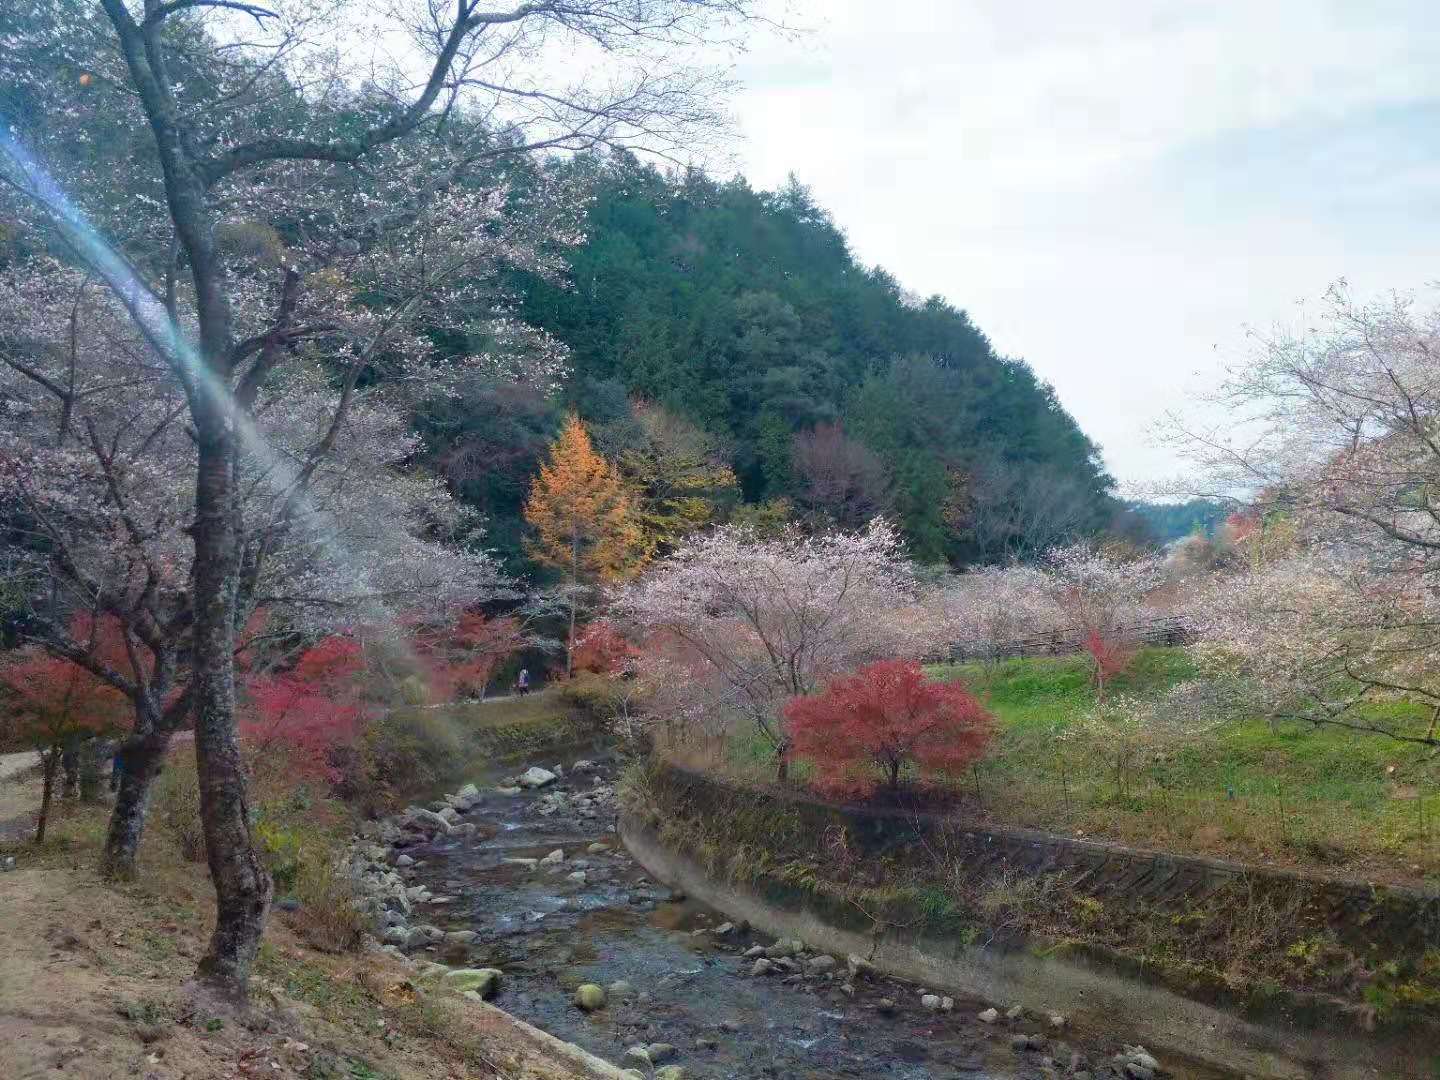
x=141 y=760
x=243 y=888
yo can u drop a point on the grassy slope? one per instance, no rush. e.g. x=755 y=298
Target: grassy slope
x=1293 y=793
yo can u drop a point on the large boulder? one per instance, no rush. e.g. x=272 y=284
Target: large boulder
x=484 y=981
x=422 y=820
x=535 y=777
x=589 y=997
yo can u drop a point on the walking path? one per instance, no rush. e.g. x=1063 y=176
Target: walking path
x=18 y=798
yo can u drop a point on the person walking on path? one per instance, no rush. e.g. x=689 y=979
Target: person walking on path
x=522 y=683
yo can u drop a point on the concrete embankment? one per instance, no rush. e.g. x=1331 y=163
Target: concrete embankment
x=1279 y=1034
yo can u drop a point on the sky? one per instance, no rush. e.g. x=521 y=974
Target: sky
x=1114 y=190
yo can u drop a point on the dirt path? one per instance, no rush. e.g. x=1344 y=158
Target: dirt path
x=19 y=796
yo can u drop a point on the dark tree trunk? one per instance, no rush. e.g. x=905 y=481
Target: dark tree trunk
x=243 y=888
x=52 y=762
x=70 y=763
x=141 y=760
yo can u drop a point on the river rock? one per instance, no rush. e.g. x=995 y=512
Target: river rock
x=598 y=848
x=886 y=1006
x=450 y=814
x=670 y=1072
x=555 y=858
x=589 y=997
x=816 y=964
x=1057 y=1021
x=762 y=967
x=1015 y=1012
x=620 y=990
x=731 y=1026
x=931 y=1002
x=724 y=928
x=461 y=937
x=858 y=965
x=1137 y=1071
x=578 y=877
x=638 y=1053
x=528 y=864
x=947 y=1004
x=989 y=1016
x=422 y=820
x=507 y=789
x=404 y=860
x=535 y=777
x=754 y=951
x=1027 y=1042
x=484 y=981
x=659 y=1052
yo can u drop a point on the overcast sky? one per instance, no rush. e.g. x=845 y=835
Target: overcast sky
x=1113 y=190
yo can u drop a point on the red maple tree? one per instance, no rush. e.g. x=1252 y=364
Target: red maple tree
x=53 y=705
x=1111 y=657
x=866 y=727
x=460 y=659
x=311 y=710
x=601 y=648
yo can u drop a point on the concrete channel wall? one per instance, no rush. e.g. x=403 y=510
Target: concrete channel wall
x=1292 y=1037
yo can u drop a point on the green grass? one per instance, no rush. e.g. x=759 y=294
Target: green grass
x=1292 y=792
x=541 y=708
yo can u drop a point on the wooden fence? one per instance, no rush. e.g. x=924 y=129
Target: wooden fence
x=1166 y=630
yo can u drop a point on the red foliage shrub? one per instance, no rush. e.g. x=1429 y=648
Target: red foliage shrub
x=1111 y=657
x=460 y=660
x=50 y=701
x=602 y=649
x=312 y=710
x=867 y=727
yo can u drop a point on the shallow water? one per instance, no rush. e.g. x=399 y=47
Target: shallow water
x=694 y=991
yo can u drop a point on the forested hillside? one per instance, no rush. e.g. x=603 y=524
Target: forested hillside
x=829 y=390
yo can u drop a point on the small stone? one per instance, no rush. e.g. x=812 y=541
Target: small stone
x=817 y=964
x=1015 y=1012
x=507 y=790
x=1057 y=1021
x=589 y=997
x=724 y=928
x=620 y=990
x=598 y=849
x=578 y=877
x=555 y=858
x=638 y=1053
x=404 y=860
x=1027 y=1042
x=660 y=1051
x=528 y=864
x=706 y=1042
x=947 y=1004
x=450 y=814
x=762 y=967
x=461 y=937
x=886 y=1006
x=858 y=965
x=931 y=1002
x=732 y=1026
x=754 y=951
x=670 y=1072
x=989 y=1016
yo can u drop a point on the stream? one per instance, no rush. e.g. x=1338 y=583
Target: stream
x=597 y=917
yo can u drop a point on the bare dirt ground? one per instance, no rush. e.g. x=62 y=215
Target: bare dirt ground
x=17 y=797
x=92 y=986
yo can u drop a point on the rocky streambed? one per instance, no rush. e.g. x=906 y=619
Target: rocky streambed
x=518 y=889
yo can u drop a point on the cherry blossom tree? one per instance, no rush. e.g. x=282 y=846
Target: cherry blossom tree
x=1330 y=438
x=987 y=608
x=236 y=211
x=882 y=719
x=1317 y=635
x=750 y=621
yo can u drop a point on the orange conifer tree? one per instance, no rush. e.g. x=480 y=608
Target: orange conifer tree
x=584 y=518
